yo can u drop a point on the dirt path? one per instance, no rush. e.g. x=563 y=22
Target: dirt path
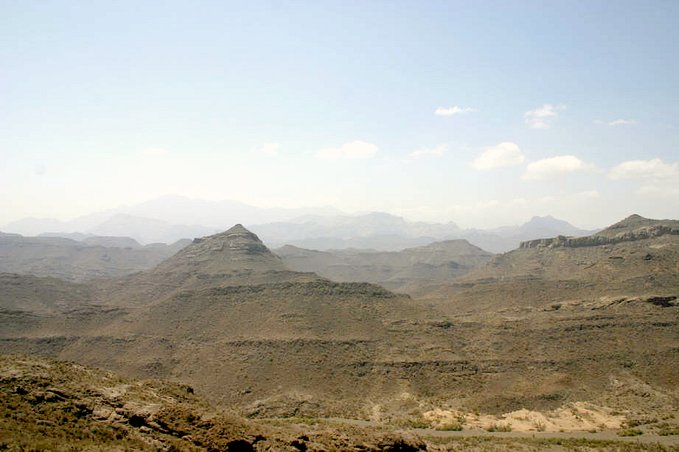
x=606 y=435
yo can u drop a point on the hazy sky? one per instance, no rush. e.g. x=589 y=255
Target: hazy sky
x=483 y=113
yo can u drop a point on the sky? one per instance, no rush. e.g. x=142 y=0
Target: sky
x=484 y=113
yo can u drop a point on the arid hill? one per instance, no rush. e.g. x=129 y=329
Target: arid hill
x=93 y=257
x=401 y=271
x=231 y=258
x=636 y=257
x=223 y=296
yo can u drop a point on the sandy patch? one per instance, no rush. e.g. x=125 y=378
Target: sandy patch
x=578 y=416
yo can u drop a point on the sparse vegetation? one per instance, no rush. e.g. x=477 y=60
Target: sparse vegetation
x=499 y=428
x=414 y=423
x=666 y=429
x=635 y=422
x=450 y=427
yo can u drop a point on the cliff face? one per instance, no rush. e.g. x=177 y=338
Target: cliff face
x=643 y=232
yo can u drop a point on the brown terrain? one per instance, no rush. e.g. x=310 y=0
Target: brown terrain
x=93 y=257
x=572 y=335
x=400 y=271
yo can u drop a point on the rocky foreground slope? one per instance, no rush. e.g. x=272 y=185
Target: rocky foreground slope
x=53 y=405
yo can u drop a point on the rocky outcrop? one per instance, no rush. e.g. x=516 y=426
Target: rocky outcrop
x=646 y=232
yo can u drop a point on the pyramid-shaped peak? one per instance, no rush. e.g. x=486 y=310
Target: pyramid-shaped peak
x=238 y=229
x=236 y=234
x=235 y=249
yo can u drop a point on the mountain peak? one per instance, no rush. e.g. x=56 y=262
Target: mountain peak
x=634 y=218
x=541 y=218
x=547 y=221
x=235 y=249
x=238 y=229
x=632 y=222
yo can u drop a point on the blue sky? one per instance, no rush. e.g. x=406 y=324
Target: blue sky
x=563 y=108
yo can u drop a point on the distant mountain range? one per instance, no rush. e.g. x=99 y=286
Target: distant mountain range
x=385 y=232
x=171 y=218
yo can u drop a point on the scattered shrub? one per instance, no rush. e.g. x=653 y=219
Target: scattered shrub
x=499 y=428
x=450 y=427
x=630 y=432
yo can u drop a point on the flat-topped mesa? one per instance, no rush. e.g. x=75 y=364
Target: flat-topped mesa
x=236 y=249
x=634 y=227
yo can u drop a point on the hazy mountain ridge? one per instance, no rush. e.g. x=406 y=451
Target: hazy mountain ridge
x=164 y=219
x=171 y=218
x=385 y=232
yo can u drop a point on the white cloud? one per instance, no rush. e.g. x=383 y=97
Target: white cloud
x=553 y=166
x=615 y=122
x=436 y=151
x=499 y=156
x=645 y=169
x=349 y=151
x=541 y=117
x=270 y=149
x=621 y=122
x=454 y=110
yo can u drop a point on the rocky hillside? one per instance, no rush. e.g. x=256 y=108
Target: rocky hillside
x=633 y=258
x=630 y=229
x=224 y=296
x=236 y=249
x=53 y=405
x=231 y=258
